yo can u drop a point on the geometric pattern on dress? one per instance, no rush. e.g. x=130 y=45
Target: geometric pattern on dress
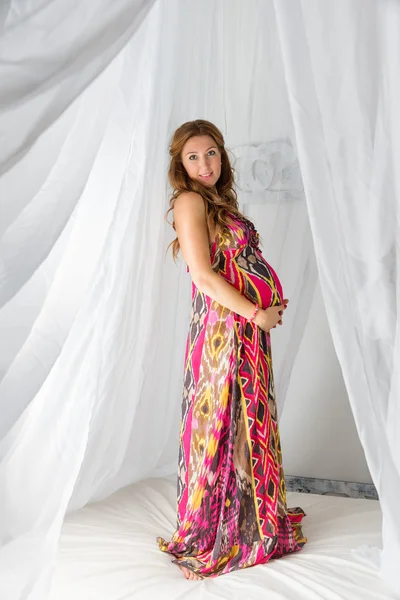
x=231 y=494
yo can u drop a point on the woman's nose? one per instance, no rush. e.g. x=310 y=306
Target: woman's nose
x=204 y=162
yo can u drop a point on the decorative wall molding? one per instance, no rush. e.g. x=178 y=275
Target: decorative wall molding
x=268 y=172
x=329 y=487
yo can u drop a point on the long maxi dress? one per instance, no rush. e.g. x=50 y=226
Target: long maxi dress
x=231 y=496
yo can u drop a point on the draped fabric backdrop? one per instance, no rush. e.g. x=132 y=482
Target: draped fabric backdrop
x=342 y=67
x=91 y=306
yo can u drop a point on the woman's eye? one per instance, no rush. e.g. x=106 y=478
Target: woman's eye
x=212 y=152
x=192 y=156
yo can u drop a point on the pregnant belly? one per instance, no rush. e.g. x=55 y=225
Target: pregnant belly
x=261 y=281
x=247 y=270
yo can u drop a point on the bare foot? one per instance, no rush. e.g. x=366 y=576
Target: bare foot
x=188 y=573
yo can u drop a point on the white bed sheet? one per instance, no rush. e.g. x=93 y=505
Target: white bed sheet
x=108 y=551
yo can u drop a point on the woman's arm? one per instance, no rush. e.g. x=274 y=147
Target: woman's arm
x=191 y=228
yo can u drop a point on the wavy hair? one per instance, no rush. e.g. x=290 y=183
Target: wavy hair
x=218 y=200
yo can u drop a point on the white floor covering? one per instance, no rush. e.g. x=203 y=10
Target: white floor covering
x=108 y=551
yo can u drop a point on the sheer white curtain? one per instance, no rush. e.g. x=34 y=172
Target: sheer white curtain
x=342 y=66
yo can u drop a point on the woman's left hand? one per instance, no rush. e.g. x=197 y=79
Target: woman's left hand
x=285 y=302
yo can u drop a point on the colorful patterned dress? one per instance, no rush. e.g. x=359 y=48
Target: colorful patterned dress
x=231 y=505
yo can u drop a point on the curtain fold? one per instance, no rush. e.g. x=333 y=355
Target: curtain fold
x=49 y=53
x=341 y=67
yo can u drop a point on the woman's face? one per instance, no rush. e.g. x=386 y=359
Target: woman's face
x=202 y=159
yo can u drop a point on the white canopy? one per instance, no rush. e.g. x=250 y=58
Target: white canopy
x=93 y=313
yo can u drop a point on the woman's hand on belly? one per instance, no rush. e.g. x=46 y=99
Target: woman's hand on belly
x=268 y=319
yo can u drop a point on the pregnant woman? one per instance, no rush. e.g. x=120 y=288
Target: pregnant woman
x=231 y=505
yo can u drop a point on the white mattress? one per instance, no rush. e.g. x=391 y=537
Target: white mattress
x=108 y=551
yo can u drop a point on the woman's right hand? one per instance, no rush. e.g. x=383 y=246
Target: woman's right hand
x=268 y=319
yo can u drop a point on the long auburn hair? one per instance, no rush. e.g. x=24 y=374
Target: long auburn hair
x=217 y=201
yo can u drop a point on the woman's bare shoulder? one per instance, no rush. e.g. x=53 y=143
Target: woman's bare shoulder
x=188 y=201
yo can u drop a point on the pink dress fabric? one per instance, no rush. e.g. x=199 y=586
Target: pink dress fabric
x=231 y=496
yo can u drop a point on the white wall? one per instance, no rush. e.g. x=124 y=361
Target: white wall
x=318 y=434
